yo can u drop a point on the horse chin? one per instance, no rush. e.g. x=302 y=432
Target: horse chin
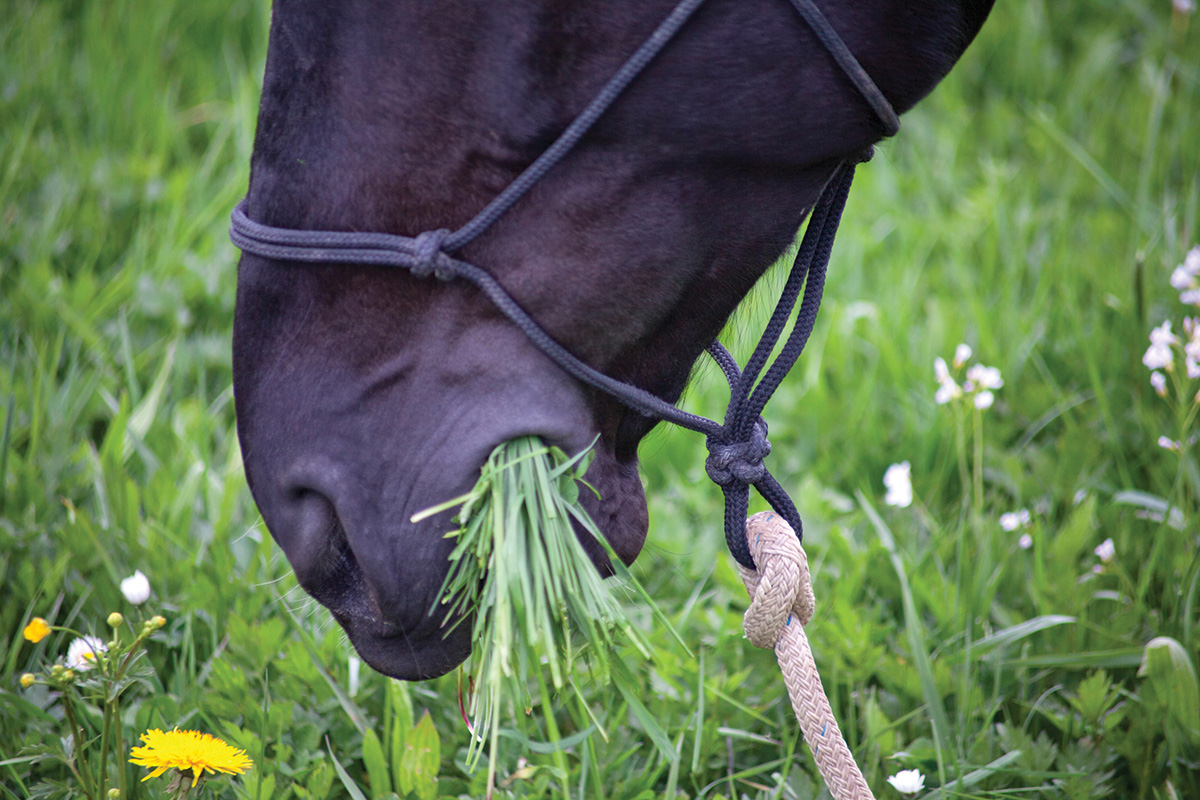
x=409 y=656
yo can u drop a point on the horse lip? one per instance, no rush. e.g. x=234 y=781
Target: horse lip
x=408 y=655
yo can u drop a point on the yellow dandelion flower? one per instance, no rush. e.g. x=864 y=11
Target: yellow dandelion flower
x=36 y=630
x=188 y=750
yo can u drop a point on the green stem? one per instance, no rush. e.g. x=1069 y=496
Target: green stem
x=103 y=779
x=978 y=482
x=560 y=758
x=73 y=764
x=961 y=448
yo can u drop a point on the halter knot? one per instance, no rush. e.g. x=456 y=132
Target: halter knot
x=428 y=253
x=738 y=462
x=780 y=589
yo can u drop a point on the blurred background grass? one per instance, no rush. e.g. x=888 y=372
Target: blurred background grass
x=1033 y=207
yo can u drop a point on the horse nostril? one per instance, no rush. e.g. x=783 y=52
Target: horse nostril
x=311 y=535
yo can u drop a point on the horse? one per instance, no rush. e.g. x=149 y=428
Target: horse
x=366 y=394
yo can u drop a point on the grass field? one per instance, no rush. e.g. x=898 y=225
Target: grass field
x=1033 y=207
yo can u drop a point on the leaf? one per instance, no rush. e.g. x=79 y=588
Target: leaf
x=1168 y=670
x=418 y=767
x=377 y=769
x=564 y=743
x=1015 y=633
x=347 y=781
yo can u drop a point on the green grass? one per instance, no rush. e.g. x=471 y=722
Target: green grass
x=1033 y=206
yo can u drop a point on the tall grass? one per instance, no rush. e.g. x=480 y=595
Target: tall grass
x=1033 y=207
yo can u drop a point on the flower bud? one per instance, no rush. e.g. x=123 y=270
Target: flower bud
x=136 y=588
x=158 y=621
x=27 y=680
x=115 y=619
x=114 y=793
x=68 y=675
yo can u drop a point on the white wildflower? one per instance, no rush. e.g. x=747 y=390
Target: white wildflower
x=984 y=400
x=946 y=392
x=1162 y=334
x=136 y=588
x=941 y=372
x=1105 y=551
x=907 y=781
x=1193 y=368
x=985 y=377
x=948 y=389
x=1184 y=7
x=898 y=480
x=1080 y=496
x=1021 y=518
x=1159 y=382
x=1025 y=542
x=1191 y=297
x=1159 y=357
x=1167 y=443
x=962 y=354
x=1191 y=262
x=82 y=653
x=1181 y=279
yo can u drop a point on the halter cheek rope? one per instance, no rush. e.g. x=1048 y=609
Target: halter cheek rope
x=738 y=445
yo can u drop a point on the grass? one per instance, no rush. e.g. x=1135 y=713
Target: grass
x=538 y=603
x=1033 y=207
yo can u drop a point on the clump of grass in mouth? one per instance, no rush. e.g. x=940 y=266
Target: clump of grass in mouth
x=540 y=606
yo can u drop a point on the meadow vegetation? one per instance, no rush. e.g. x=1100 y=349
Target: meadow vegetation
x=1034 y=208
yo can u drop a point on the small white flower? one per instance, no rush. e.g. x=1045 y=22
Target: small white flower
x=984 y=400
x=1105 y=551
x=1181 y=279
x=946 y=392
x=985 y=377
x=1184 y=6
x=940 y=371
x=962 y=354
x=898 y=480
x=1191 y=262
x=136 y=588
x=1162 y=335
x=1167 y=443
x=1025 y=542
x=1193 y=368
x=82 y=653
x=1080 y=496
x=1191 y=297
x=1021 y=518
x=1159 y=356
x=908 y=781
x=1159 y=382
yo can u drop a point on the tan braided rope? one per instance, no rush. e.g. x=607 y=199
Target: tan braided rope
x=781 y=604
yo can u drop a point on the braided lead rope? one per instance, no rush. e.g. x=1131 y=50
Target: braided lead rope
x=781 y=604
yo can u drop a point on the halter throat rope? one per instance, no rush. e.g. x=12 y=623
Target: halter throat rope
x=736 y=447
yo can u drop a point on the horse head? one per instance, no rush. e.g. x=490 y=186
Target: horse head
x=365 y=394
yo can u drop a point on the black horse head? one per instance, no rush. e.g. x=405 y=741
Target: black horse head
x=365 y=395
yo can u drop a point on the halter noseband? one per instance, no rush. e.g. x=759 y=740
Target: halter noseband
x=736 y=447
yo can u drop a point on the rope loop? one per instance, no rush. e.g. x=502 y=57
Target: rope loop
x=428 y=254
x=781 y=592
x=781 y=604
x=738 y=462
